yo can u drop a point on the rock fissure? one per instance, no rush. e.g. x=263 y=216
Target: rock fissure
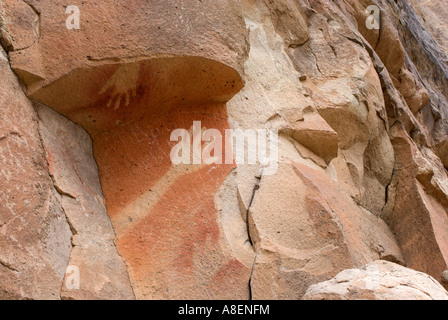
x=62 y=194
x=8 y=266
x=249 y=230
x=251 y=294
x=256 y=188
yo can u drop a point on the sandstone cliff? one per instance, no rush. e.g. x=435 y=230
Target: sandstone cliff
x=356 y=209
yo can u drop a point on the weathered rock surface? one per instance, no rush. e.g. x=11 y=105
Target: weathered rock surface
x=34 y=233
x=103 y=274
x=380 y=280
x=208 y=29
x=321 y=232
x=363 y=149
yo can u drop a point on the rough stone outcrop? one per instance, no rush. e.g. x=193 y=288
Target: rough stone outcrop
x=380 y=280
x=34 y=232
x=325 y=232
x=85 y=142
x=75 y=176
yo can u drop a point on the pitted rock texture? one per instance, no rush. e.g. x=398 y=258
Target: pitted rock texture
x=85 y=146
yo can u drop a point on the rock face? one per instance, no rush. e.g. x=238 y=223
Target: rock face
x=75 y=176
x=86 y=143
x=34 y=232
x=380 y=280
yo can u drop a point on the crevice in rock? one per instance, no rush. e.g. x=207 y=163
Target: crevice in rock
x=126 y=264
x=72 y=229
x=37 y=12
x=2 y=41
x=386 y=199
x=316 y=62
x=387 y=191
x=60 y=191
x=111 y=224
x=419 y=289
x=256 y=187
x=250 y=278
x=56 y=187
x=355 y=40
x=70 y=224
x=253 y=241
x=8 y=266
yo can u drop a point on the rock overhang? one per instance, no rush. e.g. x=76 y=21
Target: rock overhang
x=104 y=96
